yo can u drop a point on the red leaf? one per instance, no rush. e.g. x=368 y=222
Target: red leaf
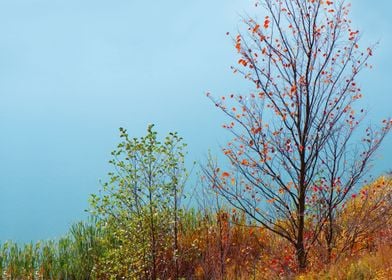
x=266 y=22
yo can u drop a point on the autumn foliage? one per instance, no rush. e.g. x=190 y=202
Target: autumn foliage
x=291 y=199
x=295 y=157
x=219 y=244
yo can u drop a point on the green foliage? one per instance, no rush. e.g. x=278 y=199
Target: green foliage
x=134 y=233
x=146 y=172
x=71 y=257
x=139 y=205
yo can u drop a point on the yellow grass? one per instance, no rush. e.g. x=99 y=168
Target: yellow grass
x=377 y=266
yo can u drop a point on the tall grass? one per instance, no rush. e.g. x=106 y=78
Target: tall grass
x=70 y=257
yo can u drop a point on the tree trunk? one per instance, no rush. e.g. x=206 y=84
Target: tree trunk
x=301 y=257
x=175 y=234
x=329 y=238
x=153 y=241
x=300 y=247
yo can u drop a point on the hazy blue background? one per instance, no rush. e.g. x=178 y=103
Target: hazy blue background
x=73 y=71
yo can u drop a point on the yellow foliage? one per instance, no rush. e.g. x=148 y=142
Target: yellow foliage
x=371 y=266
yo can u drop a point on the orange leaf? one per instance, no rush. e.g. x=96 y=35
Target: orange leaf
x=238 y=46
x=293 y=89
x=266 y=23
x=256 y=130
x=243 y=62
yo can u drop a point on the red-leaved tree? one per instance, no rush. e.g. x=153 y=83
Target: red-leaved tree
x=296 y=155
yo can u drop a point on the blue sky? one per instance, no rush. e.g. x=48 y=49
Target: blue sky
x=73 y=71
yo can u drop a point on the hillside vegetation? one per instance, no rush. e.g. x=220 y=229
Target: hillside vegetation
x=140 y=229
